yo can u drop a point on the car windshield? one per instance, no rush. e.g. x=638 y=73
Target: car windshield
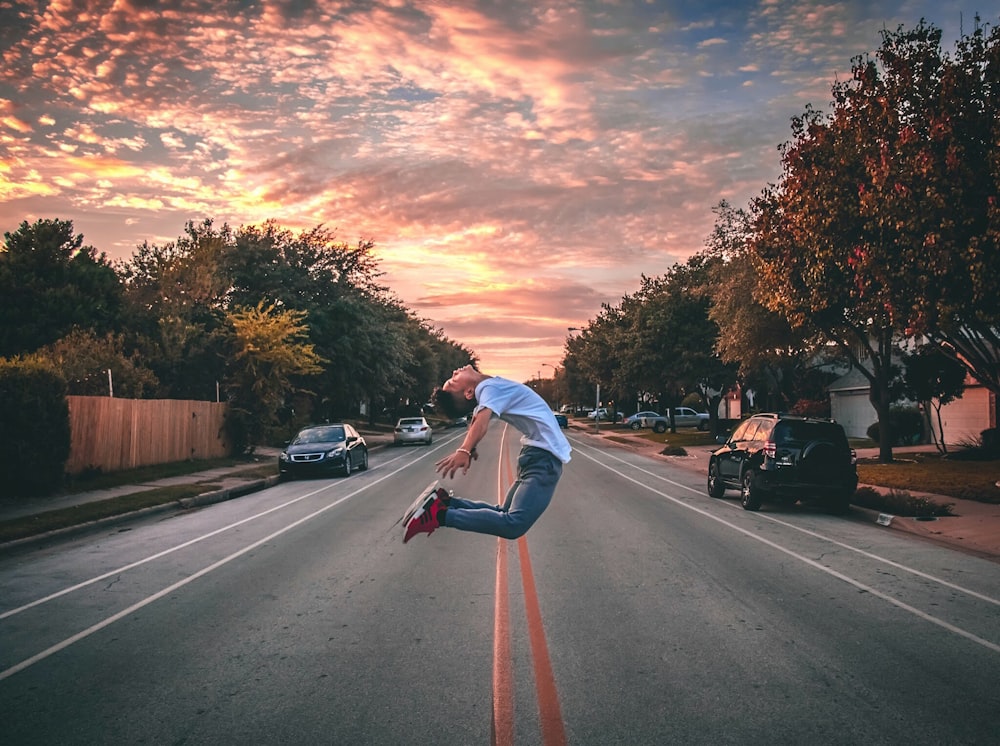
x=321 y=435
x=412 y=421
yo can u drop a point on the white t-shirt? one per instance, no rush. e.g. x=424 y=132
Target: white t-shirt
x=521 y=407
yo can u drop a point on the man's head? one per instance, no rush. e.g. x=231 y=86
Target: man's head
x=457 y=396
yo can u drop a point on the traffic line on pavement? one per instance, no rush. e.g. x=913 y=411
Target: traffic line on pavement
x=503 y=670
x=52 y=650
x=795 y=555
x=546 y=691
x=808 y=532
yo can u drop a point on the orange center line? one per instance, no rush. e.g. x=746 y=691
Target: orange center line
x=550 y=714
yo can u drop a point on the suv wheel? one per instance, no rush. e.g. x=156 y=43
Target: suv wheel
x=750 y=497
x=716 y=488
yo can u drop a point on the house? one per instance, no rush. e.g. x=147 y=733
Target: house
x=962 y=420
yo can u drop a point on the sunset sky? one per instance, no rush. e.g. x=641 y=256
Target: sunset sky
x=516 y=163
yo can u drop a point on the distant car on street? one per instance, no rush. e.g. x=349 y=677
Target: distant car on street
x=683 y=417
x=320 y=450
x=604 y=414
x=412 y=430
x=634 y=421
x=561 y=419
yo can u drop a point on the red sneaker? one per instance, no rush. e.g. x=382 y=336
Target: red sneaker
x=425 y=520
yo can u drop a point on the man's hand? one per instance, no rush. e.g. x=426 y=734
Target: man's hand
x=447 y=466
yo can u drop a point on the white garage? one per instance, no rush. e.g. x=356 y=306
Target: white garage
x=963 y=419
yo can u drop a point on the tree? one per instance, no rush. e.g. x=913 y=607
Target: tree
x=85 y=359
x=176 y=295
x=268 y=349
x=935 y=379
x=860 y=241
x=49 y=283
x=772 y=356
x=944 y=179
x=659 y=341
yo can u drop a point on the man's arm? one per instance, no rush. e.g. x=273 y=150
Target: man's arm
x=462 y=458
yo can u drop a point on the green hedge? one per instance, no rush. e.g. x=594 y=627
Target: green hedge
x=34 y=428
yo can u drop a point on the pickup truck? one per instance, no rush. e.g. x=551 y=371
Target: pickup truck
x=683 y=417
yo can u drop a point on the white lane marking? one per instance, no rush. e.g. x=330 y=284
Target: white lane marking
x=216 y=532
x=870 y=555
x=28 y=662
x=812 y=563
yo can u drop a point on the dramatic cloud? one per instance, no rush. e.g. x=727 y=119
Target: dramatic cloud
x=517 y=163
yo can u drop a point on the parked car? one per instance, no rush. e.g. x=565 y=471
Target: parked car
x=787 y=458
x=604 y=414
x=412 y=430
x=323 y=449
x=683 y=417
x=634 y=421
x=561 y=419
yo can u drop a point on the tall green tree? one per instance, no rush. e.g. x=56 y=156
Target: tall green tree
x=658 y=341
x=269 y=348
x=177 y=298
x=50 y=282
x=99 y=365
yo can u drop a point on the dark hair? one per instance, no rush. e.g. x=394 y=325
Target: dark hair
x=452 y=405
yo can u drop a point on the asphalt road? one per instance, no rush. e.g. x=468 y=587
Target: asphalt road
x=637 y=611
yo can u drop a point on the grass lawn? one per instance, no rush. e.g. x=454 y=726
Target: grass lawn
x=929 y=472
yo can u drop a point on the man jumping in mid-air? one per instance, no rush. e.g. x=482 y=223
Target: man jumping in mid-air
x=544 y=450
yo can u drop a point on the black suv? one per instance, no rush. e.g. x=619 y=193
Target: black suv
x=788 y=458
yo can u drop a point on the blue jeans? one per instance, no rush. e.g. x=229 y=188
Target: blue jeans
x=538 y=473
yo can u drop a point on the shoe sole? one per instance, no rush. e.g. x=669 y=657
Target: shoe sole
x=418 y=506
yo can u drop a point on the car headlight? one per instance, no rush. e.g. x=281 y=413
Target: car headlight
x=335 y=452
x=283 y=456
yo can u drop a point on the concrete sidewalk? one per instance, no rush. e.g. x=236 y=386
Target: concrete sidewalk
x=974 y=527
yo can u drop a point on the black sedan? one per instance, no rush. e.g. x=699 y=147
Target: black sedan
x=321 y=450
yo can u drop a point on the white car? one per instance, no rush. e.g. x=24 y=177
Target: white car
x=412 y=430
x=634 y=421
x=603 y=414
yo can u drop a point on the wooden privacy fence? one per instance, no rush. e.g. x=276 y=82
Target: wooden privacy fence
x=117 y=434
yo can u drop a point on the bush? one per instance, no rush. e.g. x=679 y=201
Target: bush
x=906 y=425
x=900 y=503
x=811 y=408
x=670 y=450
x=34 y=427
